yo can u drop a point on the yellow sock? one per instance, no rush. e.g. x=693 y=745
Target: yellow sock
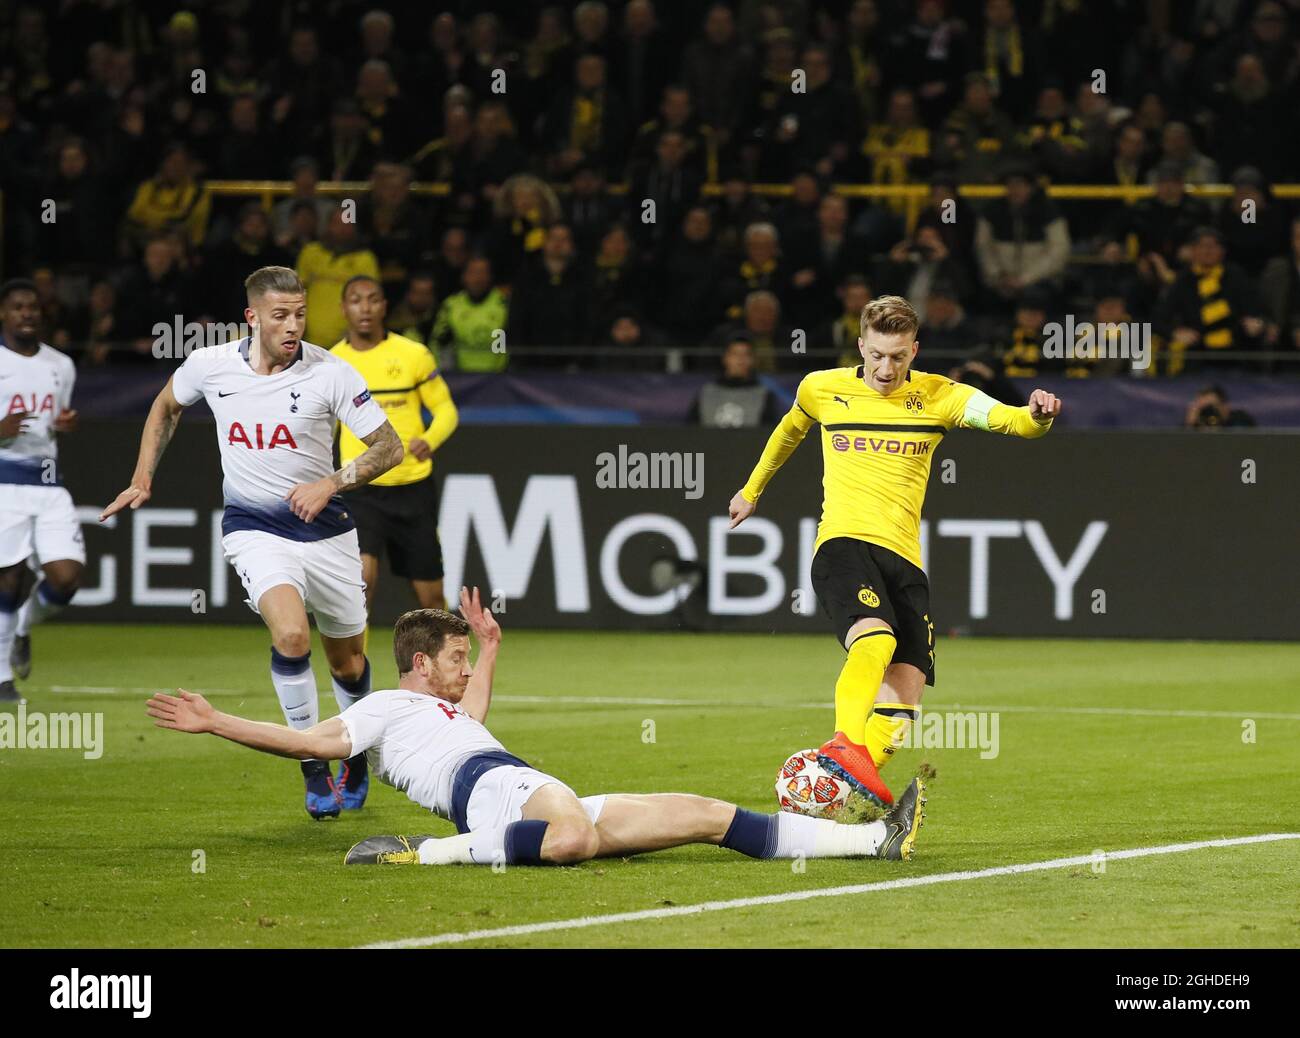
x=860 y=680
x=365 y=640
x=887 y=727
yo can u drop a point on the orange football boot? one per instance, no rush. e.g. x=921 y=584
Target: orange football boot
x=852 y=762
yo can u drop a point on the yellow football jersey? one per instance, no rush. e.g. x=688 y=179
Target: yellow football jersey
x=401 y=375
x=876 y=450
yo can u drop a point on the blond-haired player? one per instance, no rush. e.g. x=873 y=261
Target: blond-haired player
x=881 y=425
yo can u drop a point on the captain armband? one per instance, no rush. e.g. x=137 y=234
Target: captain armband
x=977 y=411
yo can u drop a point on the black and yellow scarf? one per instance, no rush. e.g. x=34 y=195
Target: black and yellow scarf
x=1216 y=311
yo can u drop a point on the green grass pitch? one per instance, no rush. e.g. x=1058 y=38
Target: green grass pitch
x=1102 y=746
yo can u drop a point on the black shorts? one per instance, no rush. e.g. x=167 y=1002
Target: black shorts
x=855 y=579
x=404 y=520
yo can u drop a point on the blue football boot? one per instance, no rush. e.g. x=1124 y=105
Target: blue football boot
x=353 y=782
x=322 y=795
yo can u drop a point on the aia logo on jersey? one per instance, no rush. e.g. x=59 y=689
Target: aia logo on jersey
x=280 y=437
x=914 y=403
x=19 y=404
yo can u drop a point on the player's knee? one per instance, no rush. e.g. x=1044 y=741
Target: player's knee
x=569 y=842
x=349 y=667
x=865 y=626
x=64 y=585
x=292 y=640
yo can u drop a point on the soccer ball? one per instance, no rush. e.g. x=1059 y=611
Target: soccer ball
x=804 y=788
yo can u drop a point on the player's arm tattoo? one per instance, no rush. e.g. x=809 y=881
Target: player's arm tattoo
x=384 y=450
x=163 y=431
x=164 y=416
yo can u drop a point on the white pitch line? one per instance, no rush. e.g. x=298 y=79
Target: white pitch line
x=1115 y=711
x=584 y=922
x=1103 y=710
x=129 y=690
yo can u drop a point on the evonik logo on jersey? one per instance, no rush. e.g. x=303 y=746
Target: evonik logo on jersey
x=877 y=444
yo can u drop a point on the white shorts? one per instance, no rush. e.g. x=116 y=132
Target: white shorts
x=39 y=521
x=499 y=796
x=326 y=573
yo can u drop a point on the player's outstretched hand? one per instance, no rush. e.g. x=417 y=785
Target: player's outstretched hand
x=132 y=497
x=481 y=621
x=187 y=712
x=1043 y=405
x=66 y=421
x=740 y=510
x=306 y=500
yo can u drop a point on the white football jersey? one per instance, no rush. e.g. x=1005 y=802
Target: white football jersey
x=416 y=743
x=275 y=431
x=40 y=385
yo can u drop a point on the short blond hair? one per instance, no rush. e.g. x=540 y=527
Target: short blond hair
x=273 y=279
x=889 y=315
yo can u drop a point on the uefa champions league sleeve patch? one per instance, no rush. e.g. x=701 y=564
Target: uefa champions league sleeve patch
x=361 y=398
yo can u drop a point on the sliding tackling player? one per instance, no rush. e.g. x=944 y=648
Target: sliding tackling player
x=427 y=738
x=881 y=424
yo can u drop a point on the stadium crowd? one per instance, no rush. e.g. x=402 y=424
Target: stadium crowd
x=600 y=162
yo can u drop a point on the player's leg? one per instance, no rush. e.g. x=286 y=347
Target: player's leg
x=854 y=594
x=15 y=582
x=17 y=542
x=285 y=614
x=336 y=597
x=366 y=505
x=638 y=823
x=414 y=552
x=271 y=571
x=61 y=579
x=57 y=542
x=898 y=702
x=370 y=577
x=558 y=828
x=429 y=594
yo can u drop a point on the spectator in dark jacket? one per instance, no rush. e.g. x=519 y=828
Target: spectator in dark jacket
x=586 y=122
x=717 y=69
x=225 y=266
x=689 y=281
x=551 y=304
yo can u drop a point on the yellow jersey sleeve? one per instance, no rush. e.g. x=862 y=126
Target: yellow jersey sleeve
x=788 y=434
x=435 y=395
x=966 y=407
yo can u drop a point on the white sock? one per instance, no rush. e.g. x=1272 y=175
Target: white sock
x=8 y=624
x=823 y=838
x=484 y=847
x=347 y=693
x=295 y=686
